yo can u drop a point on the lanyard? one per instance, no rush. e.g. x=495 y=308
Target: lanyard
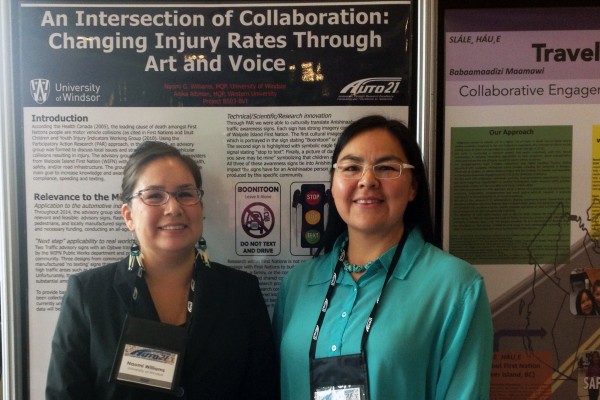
x=332 y=283
x=139 y=278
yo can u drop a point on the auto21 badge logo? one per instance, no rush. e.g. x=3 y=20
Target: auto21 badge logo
x=370 y=89
x=39 y=89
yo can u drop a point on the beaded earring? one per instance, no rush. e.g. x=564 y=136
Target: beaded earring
x=202 y=252
x=135 y=254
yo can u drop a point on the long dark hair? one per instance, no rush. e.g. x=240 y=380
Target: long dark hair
x=418 y=211
x=595 y=286
x=145 y=153
x=578 y=301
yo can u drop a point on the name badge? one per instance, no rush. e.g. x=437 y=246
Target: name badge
x=149 y=355
x=347 y=392
x=339 y=378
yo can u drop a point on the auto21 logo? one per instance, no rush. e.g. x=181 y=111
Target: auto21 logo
x=39 y=89
x=369 y=89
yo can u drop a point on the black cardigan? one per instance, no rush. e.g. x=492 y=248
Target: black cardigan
x=230 y=351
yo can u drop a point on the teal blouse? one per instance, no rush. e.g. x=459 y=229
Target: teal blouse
x=431 y=338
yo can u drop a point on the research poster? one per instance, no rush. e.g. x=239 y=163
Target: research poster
x=522 y=188
x=256 y=94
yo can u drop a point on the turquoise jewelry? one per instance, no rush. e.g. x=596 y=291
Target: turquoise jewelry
x=357 y=268
x=352 y=267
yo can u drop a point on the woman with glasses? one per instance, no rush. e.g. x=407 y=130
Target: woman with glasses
x=380 y=312
x=165 y=322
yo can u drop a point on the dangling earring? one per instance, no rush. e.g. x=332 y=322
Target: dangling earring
x=202 y=252
x=134 y=255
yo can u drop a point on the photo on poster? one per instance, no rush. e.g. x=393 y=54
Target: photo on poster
x=584 y=299
x=588 y=375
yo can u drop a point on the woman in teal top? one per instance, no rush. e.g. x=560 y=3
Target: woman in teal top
x=430 y=336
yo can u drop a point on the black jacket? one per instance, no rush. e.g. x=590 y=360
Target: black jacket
x=230 y=350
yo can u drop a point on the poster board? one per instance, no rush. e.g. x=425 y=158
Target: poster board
x=519 y=115
x=256 y=93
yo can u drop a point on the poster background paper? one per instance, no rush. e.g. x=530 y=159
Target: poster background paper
x=257 y=101
x=521 y=109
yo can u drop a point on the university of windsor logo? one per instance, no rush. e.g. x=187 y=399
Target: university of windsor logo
x=39 y=89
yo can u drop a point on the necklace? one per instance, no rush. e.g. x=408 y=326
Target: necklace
x=357 y=268
x=352 y=267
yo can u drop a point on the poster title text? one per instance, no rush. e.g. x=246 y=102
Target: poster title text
x=194 y=42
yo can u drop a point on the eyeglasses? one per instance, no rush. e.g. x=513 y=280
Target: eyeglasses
x=158 y=197
x=385 y=170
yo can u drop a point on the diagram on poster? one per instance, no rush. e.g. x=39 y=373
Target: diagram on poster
x=310 y=207
x=258 y=221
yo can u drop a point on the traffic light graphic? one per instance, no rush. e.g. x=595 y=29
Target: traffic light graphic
x=312 y=200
